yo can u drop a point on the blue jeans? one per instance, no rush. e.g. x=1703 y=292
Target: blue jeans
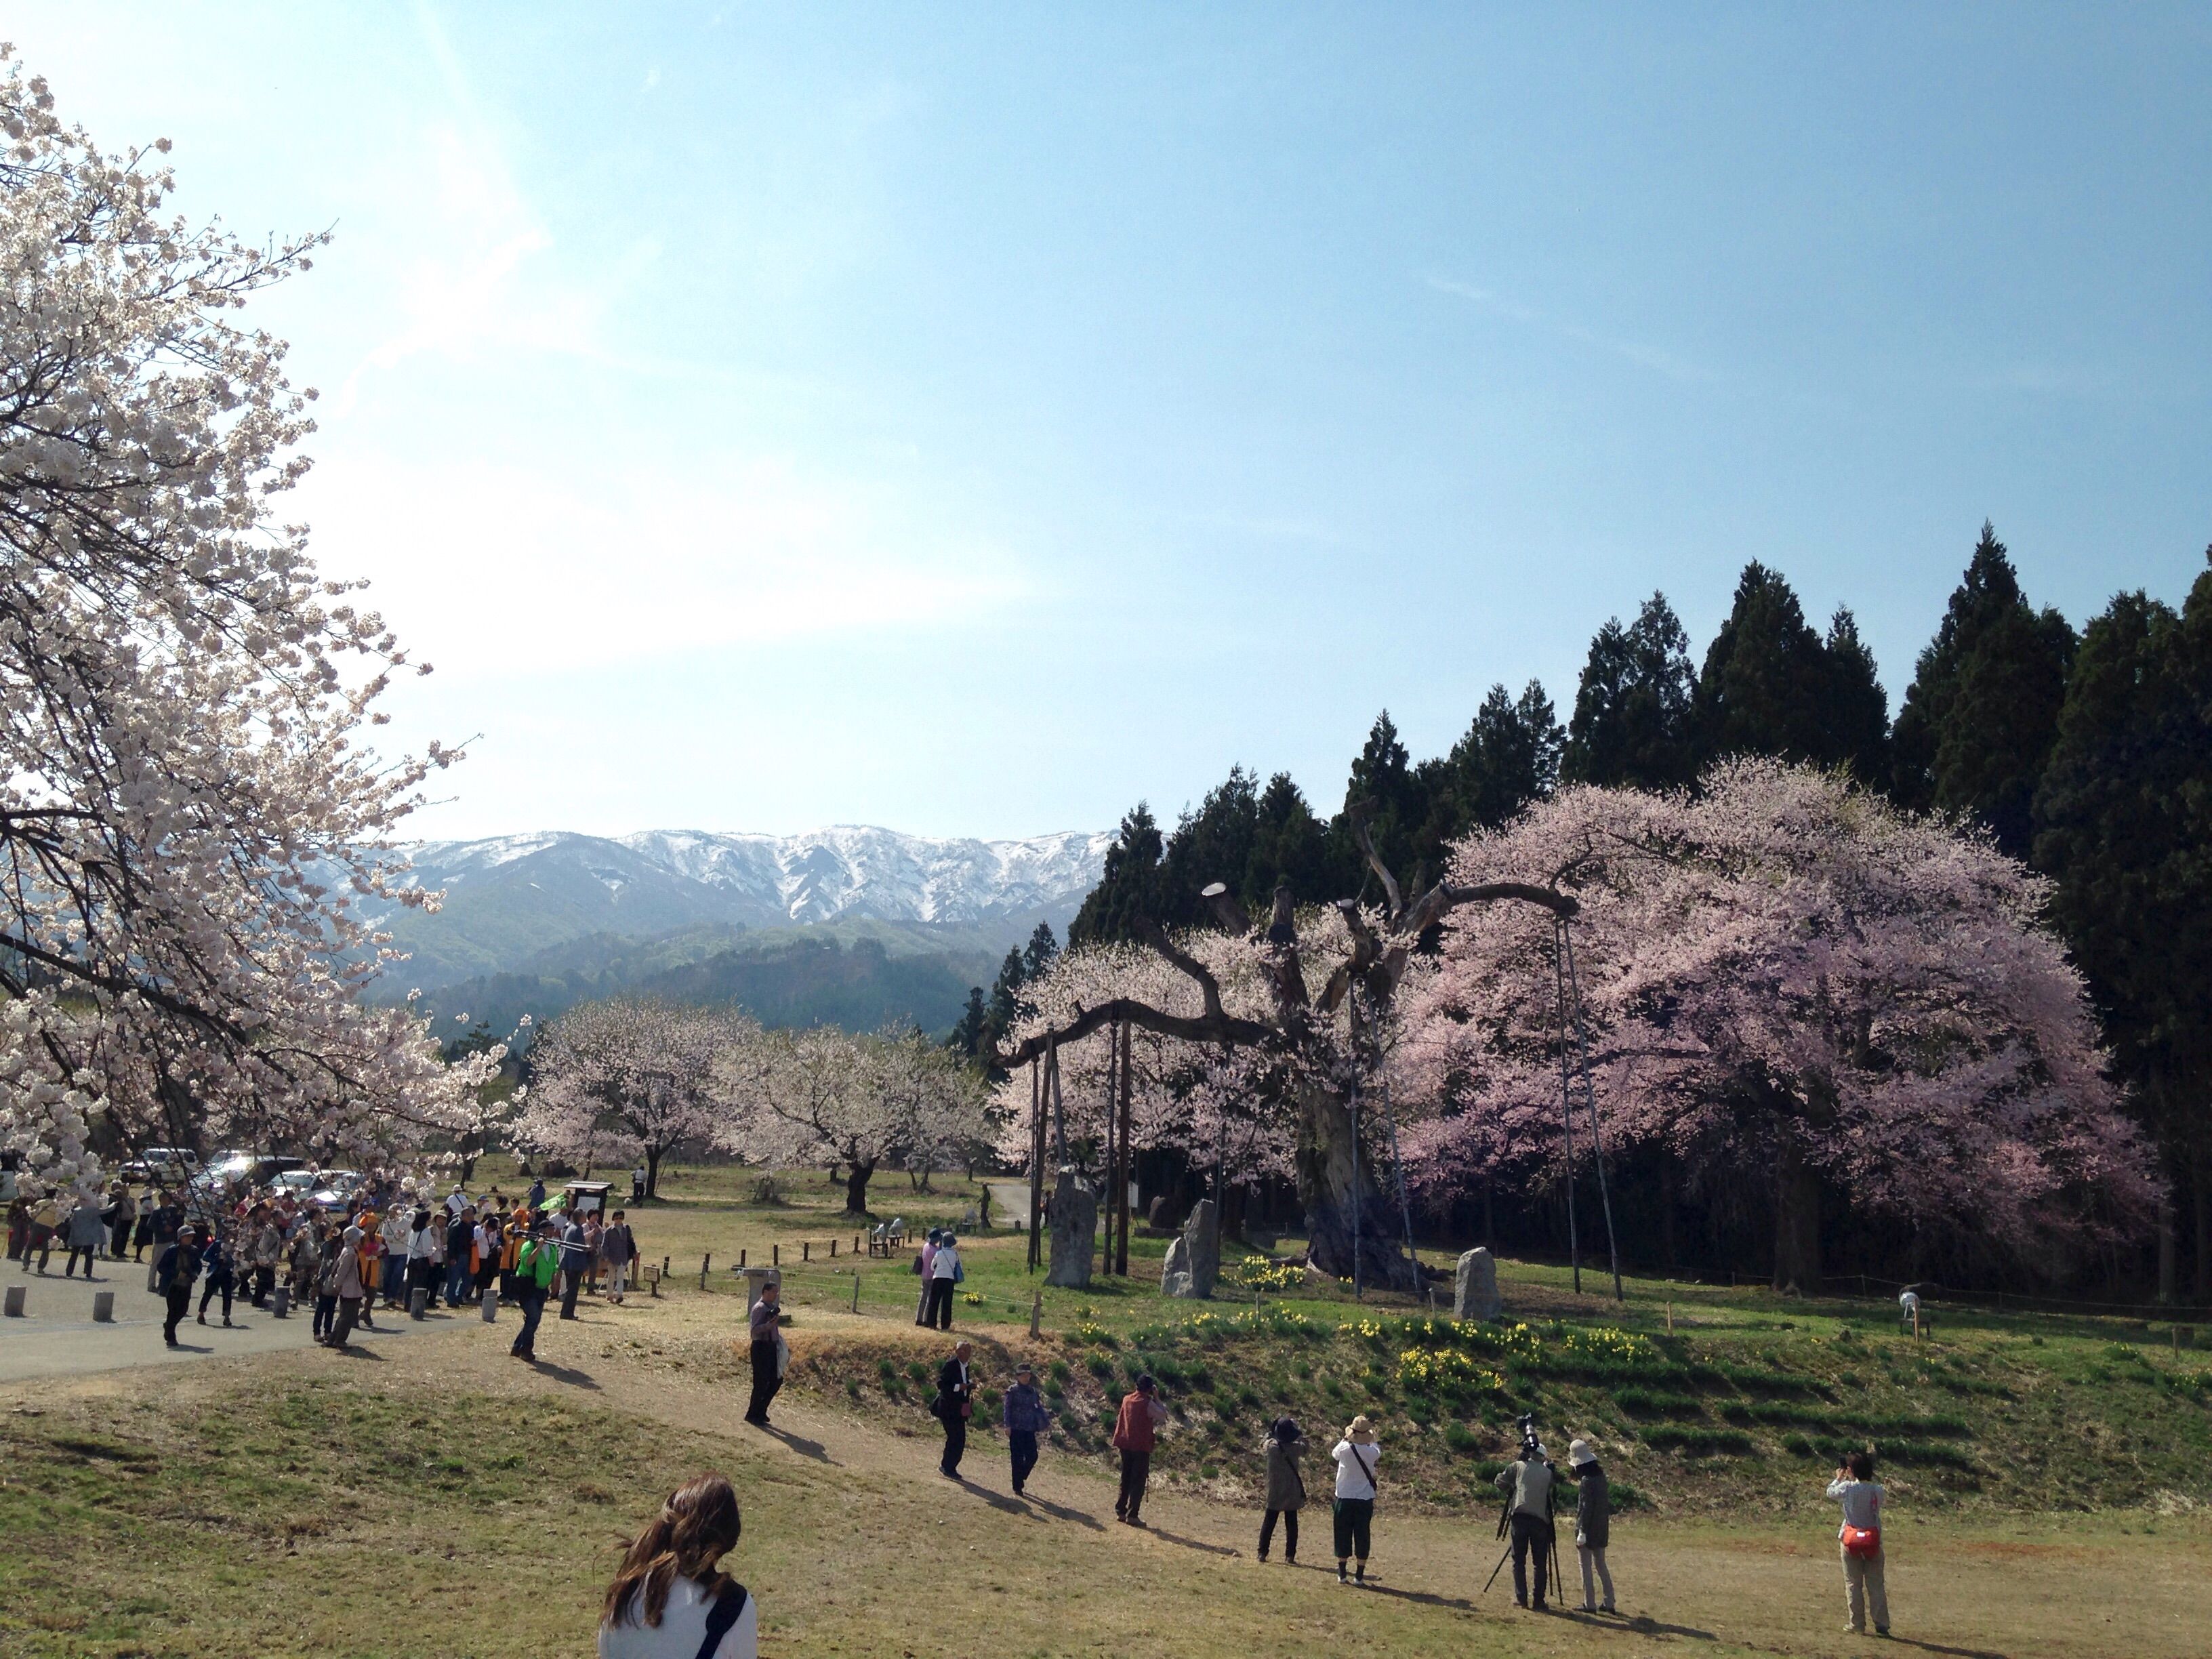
x=458 y=1279
x=533 y=1309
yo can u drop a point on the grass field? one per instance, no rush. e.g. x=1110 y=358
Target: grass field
x=444 y=1498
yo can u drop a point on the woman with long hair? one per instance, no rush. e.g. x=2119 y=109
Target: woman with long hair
x=670 y=1599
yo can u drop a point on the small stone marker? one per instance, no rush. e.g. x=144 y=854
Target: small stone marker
x=282 y=1303
x=1074 y=1228
x=490 y=1304
x=103 y=1307
x=1175 y=1272
x=1192 y=1264
x=1474 y=1286
x=417 y=1298
x=15 y=1301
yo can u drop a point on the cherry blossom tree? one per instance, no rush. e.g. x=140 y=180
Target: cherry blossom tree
x=1791 y=988
x=823 y=1096
x=191 y=829
x=627 y=1078
x=1295 y=1011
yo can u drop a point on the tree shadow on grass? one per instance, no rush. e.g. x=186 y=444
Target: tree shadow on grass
x=1061 y=1512
x=803 y=1446
x=1954 y=1653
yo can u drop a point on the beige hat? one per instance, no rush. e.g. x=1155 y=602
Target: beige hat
x=1360 y=1431
x=1581 y=1453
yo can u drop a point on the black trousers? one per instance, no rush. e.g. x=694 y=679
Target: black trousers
x=264 y=1282
x=765 y=1381
x=1532 y=1535
x=533 y=1309
x=1136 y=1470
x=1022 y=1442
x=349 y=1311
x=118 y=1238
x=938 y=1309
x=956 y=1439
x=573 y=1282
x=78 y=1253
x=179 y=1298
x=217 y=1282
x=1290 y=1533
x=1355 y=1526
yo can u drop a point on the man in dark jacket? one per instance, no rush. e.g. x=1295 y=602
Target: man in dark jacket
x=1026 y=1418
x=575 y=1261
x=767 y=1353
x=174 y=1270
x=955 y=1401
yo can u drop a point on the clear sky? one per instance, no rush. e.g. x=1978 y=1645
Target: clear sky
x=971 y=419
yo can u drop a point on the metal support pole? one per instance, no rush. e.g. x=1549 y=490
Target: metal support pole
x=1590 y=1099
x=1566 y=1103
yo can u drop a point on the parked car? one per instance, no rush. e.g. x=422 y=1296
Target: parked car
x=339 y=1189
x=165 y=1166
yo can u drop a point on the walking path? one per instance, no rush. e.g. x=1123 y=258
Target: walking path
x=58 y=1335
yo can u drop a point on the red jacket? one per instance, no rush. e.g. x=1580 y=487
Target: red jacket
x=1137 y=1428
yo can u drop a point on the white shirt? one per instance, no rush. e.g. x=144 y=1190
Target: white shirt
x=1352 y=1479
x=1861 y=1502
x=945 y=1264
x=683 y=1627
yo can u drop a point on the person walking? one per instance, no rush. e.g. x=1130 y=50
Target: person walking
x=268 y=1251
x=174 y=1269
x=1136 y=1432
x=221 y=1271
x=535 y=1269
x=954 y=1405
x=350 y=1287
x=460 y=1254
x=1860 y=1539
x=1023 y=1413
x=45 y=1220
x=121 y=1216
x=393 y=1235
x=19 y=1227
x=945 y=1273
x=1528 y=1482
x=1358 y=1457
x=142 y=1231
x=670 y=1599
x=576 y=1258
x=768 y=1353
x=1593 y=1522
x=618 y=1250
x=328 y=1243
x=1286 y=1488
x=86 y=1233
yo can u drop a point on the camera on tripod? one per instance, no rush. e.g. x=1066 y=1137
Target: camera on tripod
x=1529 y=1445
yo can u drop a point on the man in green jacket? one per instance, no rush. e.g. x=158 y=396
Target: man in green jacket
x=534 y=1272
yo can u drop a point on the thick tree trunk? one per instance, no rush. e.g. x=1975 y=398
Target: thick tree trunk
x=1335 y=1188
x=2169 y=1264
x=1797 y=1226
x=1666 y=1248
x=856 y=1188
x=652 y=1172
x=2203 y=1185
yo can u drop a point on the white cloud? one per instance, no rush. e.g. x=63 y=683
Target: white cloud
x=1651 y=357
x=493 y=570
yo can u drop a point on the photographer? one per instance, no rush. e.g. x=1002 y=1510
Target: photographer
x=1528 y=1482
x=1860 y=1539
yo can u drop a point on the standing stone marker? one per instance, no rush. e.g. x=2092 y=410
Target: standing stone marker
x=1193 y=1260
x=1075 y=1229
x=1475 y=1287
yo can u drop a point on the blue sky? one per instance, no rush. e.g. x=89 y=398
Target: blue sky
x=971 y=419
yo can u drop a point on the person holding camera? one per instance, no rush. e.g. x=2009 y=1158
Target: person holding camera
x=1860 y=1537
x=1136 y=1432
x=1528 y=1483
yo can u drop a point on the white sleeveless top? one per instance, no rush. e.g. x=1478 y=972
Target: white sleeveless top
x=683 y=1627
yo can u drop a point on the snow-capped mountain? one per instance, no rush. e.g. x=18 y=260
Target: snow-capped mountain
x=512 y=898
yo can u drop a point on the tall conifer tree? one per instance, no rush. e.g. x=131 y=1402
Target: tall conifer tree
x=1631 y=721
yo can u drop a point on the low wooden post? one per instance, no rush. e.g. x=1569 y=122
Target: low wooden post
x=833 y=1249
x=703 y=1261
x=1670 y=1319
x=776 y=1255
x=1036 y=1311
x=856 y=1289
x=741 y=1260
x=805 y=1250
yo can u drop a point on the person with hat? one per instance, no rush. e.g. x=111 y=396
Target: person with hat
x=1136 y=1432
x=1357 y=1456
x=535 y=1269
x=1286 y=1487
x=174 y=1270
x=351 y=1286
x=922 y=1261
x=954 y=1405
x=1528 y=1482
x=1593 y=1522
x=1025 y=1417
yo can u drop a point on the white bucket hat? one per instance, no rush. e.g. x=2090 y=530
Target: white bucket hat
x=1581 y=1453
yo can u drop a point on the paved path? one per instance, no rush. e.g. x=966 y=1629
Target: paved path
x=59 y=1337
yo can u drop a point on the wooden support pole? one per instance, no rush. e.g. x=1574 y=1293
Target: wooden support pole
x=703 y=1261
x=776 y=1255
x=741 y=1260
x=1036 y=1164
x=1120 y=1196
x=856 y=1289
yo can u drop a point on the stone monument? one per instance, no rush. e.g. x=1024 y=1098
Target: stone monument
x=1074 y=1231
x=1193 y=1260
x=1475 y=1287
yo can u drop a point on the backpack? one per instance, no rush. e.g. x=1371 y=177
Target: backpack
x=722 y=1617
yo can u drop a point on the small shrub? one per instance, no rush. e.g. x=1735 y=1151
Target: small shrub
x=1461 y=1440
x=1059 y=1372
x=885 y=1370
x=1625 y=1497
x=917 y=1370
x=1100 y=1367
x=852 y=1388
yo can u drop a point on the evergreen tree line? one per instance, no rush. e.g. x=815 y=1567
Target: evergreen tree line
x=2087 y=755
